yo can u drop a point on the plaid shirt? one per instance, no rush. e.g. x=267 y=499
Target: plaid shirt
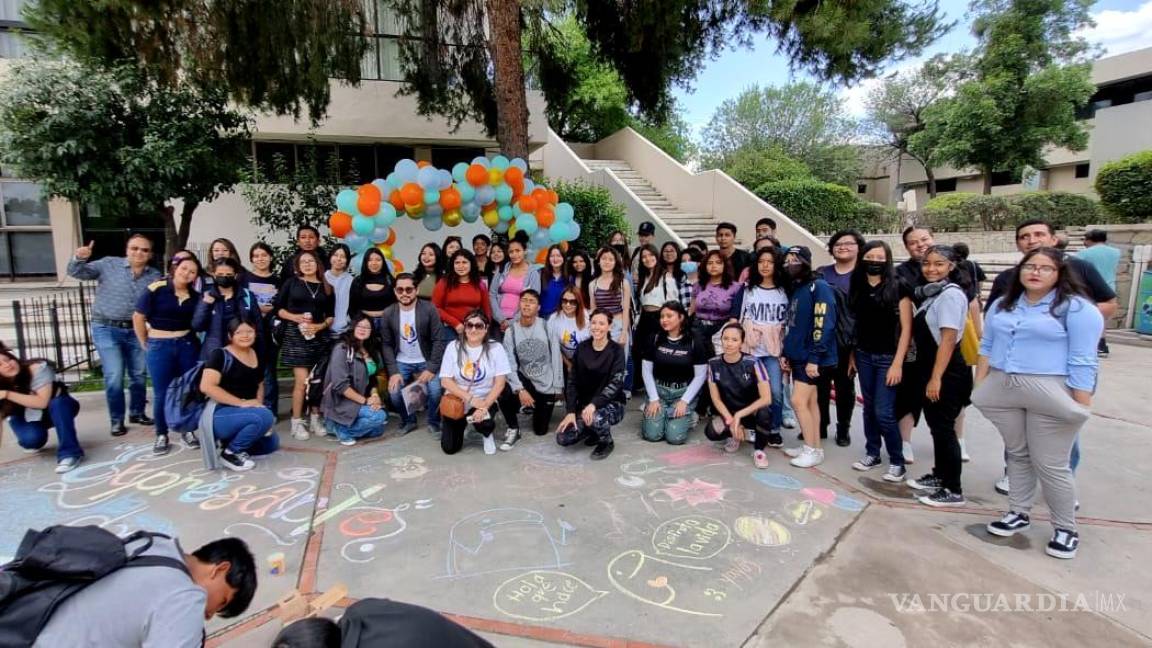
x=687 y=293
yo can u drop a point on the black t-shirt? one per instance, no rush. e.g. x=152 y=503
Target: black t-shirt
x=592 y=371
x=738 y=382
x=240 y=380
x=673 y=361
x=298 y=297
x=362 y=298
x=878 y=324
x=1098 y=289
x=740 y=260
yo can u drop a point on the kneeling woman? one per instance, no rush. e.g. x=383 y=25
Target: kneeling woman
x=233 y=377
x=474 y=370
x=680 y=360
x=351 y=404
x=594 y=391
x=32 y=402
x=742 y=396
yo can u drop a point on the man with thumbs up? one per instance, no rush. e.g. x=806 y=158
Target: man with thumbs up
x=119 y=283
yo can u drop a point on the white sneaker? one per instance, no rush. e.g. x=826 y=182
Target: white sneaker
x=790 y=422
x=907 y=452
x=510 y=439
x=964 y=452
x=299 y=432
x=1002 y=485
x=809 y=457
x=316 y=424
x=67 y=464
x=794 y=452
x=347 y=442
x=489 y=445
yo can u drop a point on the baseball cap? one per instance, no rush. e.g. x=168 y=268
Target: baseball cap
x=646 y=229
x=802 y=252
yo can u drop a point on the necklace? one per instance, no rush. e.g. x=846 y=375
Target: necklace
x=311 y=293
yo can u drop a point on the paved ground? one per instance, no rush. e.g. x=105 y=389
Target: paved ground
x=657 y=545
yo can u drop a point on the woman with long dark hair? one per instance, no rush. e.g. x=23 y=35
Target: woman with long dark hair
x=717 y=298
x=882 y=309
x=612 y=292
x=763 y=314
x=233 y=378
x=580 y=273
x=497 y=257
x=656 y=287
x=742 y=396
x=553 y=281
x=475 y=370
x=460 y=292
x=304 y=306
x=339 y=277
x=937 y=327
x=670 y=259
x=373 y=288
x=1036 y=374
x=429 y=270
x=33 y=401
x=508 y=283
x=452 y=244
x=568 y=327
x=594 y=392
x=352 y=406
x=223 y=302
x=674 y=371
x=264 y=282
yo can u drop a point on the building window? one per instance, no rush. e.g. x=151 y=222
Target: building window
x=12 y=43
x=382 y=59
x=446 y=157
x=267 y=154
x=944 y=185
x=1002 y=178
x=861 y=188
x=25 y=231
x=1082 y=170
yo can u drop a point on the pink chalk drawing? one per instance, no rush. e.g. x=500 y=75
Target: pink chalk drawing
x=693 y=492
x=702 y=454
x=821 y=495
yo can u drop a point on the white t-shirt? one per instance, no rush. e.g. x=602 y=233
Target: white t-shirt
x=763 y=314
x=949 y=309
x=409 y=352
x=475 y=368
x=564 y=329
x=667 y=289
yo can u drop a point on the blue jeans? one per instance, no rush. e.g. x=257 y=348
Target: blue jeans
x=242 y=429
x=776 y=379
x=408 y=373
x=786 y=409
x=168 y=359
x=879 y=407
x=369 y=423
x=32 y=435
x=119 y=350
x=665 y=426
x=271 y=383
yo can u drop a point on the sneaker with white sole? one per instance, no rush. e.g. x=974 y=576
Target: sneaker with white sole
x=1063 y=544
x=867 y=463
x=775 y=440
x=895 y=474
x=809 y=457
x=299 y=432
x=31 y=451
x=794 y=452
x=510 y=439
x=1002 y=485
x=489 y=445
x=67 y=464
x=1009 y=525
x=943 y=497
x=790 y=422
x=238 y=461
x=348 y=442
x=927 y=482
x=964 y=452
x=906 y=450
x=760 y=459
x=732 y=445
x=316 y=425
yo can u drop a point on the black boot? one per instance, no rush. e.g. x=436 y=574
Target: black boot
x=603 y=449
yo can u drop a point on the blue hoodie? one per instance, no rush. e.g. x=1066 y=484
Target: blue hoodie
x=811 y=328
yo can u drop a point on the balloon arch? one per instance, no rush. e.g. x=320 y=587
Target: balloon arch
x=497 y=191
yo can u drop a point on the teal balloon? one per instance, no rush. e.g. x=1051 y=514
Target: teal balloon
x=380 y=234
x=541 y=239
x=573 y=231
x=356 y=243
x=500 y=162
x=467 y=193
x=431 y=197
x=469 y=213
x=434 y=211
x=432 y=223
x=527 y=223
x=504 y=194
x=428 y=177
x=565 y=212
x=485 y=195
x=558 y=232
x=505 y=213
x=392 y=181
x=406 y=171
x=519 y=163
x=363 y=225
x=386 y=215
x=346 y=201
x=459 y=172
x=501 y=228
x=481 y=160
x=445 y=180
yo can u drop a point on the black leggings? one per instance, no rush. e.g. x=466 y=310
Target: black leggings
x=452 y=431
x=955 y=393
x=760 y=421
x=541 y=413
x=845 y=396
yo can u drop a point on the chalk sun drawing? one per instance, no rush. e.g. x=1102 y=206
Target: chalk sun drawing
x=371 y=524
x=762 y=532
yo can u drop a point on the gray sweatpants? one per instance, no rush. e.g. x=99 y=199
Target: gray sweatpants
x=1039 y=422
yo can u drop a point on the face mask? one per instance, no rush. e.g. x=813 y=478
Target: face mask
x=794 y=269
x=874 y=269
x=689 y=267
x=225 y=282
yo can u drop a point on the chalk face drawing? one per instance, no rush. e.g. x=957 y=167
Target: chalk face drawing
x=694 y=493
x=665 y=584
x=691 y=536
x=367 y=526
x=503 y=539
x=805 y=511
x=762 y=532
x=777 y=480
x=544 y=595
x=406 y=467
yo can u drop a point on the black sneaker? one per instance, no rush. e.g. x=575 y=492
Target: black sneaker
x=119 y=429
x=592 y=440
x=1009 y=525
x=867 y=463
x=140 y=419
x=237 y=461
x=775 y=440
x=927 y=482
x=843 y=440
x=1063 y=544
x=943 y=497
x=161 y=446
x=602 y=450
x=190 y=440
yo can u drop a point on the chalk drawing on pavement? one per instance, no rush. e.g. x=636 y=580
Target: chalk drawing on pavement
x=544 y=595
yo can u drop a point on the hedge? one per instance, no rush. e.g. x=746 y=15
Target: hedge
x=596 y=212
x=1125 y=187
x=1060 y=208
x=819 y=207
x=951 y=212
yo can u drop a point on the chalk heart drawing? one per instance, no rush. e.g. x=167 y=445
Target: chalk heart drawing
x=669 y=585
x=805 y=511
x=504 y=539
x=544 y=595
x=777 y=480
x=407 y=467
x=691 y=536
x=831 y=497
x=694 y=493
x=762 y=531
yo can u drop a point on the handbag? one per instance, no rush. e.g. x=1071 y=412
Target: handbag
x=452 y=406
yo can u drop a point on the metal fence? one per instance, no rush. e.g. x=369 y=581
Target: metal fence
x=55 y=327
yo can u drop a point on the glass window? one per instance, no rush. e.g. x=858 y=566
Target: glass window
x=370 y=64
x=861 y=188
x=388 y=155
x=5 y=258
x=1083 y=169
x=266 y=154
x=12 y=45
x=32 y=253
x=357 y=163
x=945 y=185
x=24 y=205
x=12 y=10
x=445 y=157
x=390 y=65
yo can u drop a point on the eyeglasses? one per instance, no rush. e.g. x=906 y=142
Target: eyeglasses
x=1045 y=270
x=139 y=249
x=404 y=290
x=567 y=300
x=475 y=326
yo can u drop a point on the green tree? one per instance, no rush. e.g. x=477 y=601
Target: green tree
x=803 y=120
x=673 y=136
x=113 y=139
x=1125 y=187
x=1029 y=79
x=276 y=56
x=599 y=215
x=753 y=167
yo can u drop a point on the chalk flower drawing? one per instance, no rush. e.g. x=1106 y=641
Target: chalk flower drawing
x=693 y=492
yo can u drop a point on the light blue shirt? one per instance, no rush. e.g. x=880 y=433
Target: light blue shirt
x=1105 y=259
x=1029 y=339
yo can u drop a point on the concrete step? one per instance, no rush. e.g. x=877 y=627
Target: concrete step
x=1128 y=337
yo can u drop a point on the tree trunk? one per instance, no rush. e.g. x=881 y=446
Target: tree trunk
x=987 y=181
x=186 y=222
x=171 y=239
x=931 y=182
x=511 y=94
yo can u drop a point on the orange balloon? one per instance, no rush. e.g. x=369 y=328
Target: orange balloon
x=527 y=204
x=542 y=255
x=513 y=174
x=517 y=186
x=340 y=224
x=368 y=199
x=412 y=193
x=422 y=163
x=396 y=199
x=450 y=199
x=476 y=175
x=553 y=197
x=545 y=215
x=540 y=194
x=399 y=265
x=391 y=237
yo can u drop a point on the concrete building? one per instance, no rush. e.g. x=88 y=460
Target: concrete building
x=1119 y=119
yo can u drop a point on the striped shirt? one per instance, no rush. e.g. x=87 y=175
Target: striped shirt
x=117 y=288
x=608 y=299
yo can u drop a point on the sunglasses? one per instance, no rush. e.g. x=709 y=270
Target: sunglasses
x=405 y=290
x=475 y=326
x=567 y=300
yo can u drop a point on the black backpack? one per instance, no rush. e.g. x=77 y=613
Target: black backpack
x=53 y=564
x=845 y=320
x=318 y=378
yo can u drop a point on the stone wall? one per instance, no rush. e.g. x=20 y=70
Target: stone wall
x=1125 y=237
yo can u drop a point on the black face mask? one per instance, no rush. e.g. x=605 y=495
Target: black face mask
x=928 y=290
x=795 y=269
x=874 y=269
x=225 y=282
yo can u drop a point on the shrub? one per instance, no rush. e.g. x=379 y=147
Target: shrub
x=878 y=218
x=596 y=212
x=819 y=207
x=1125 y=187
x=1060 y=208
x=956 y=211
x=754 y=167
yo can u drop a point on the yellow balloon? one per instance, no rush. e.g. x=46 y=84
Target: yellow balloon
x=491 y=218
x=386 y=250
x=452 y=218
x=495 y=177
x=414 y=211
x=512 y=229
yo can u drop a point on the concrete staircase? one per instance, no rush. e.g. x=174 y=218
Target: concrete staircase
x=687 y=225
